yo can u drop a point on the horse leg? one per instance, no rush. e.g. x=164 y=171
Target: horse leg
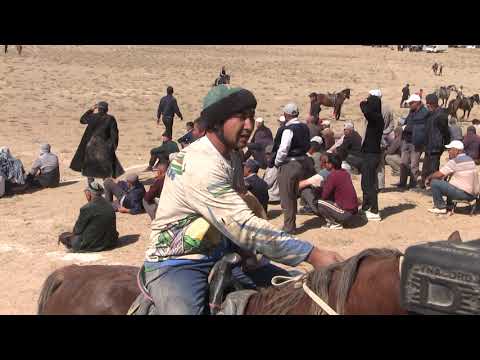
x=6 y=49
x=19 y=49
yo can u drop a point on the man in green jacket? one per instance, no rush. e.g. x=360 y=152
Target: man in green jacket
x=96 y=226
x=163 y=151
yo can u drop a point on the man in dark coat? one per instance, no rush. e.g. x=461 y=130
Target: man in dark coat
x=405 y=94
x=257 y=186
x=95 y=156
x=262 y=137
x=96 y=226
x=437 y=136
x=167 y=109
x=371 y=152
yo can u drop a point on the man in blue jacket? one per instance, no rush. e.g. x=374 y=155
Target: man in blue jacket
x=129 y=194
x=413 y=137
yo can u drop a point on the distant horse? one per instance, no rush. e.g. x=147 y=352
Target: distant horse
x=367 y=283
x=463 y=103
x=334 y=100
x=444 y=92
x=19 y=49
x=435 y=68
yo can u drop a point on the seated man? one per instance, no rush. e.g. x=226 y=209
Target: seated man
x=315 y=151
x=187 y=139
x=45 y=170
x=463 y=184
x=255 y=185
x=152 y=196
x=271 y=177
x=394 y=152
x=349 y=149
x=163 y=151
x=12 y=172
x=128 y=193
x=96 y=226
x=338 y=201
x=471 y=141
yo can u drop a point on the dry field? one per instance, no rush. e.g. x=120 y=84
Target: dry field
x=44 y=92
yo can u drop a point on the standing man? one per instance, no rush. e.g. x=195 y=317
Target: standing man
x=293 y=163
x=437 y=136
x=314 y=108
x=405 y=95
x=371 y=152
x=413 y=137
x=203 y=216
x=167 y=109
x=262 y=137
x=95 y=156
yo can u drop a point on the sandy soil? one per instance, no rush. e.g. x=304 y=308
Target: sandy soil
x=45 y=91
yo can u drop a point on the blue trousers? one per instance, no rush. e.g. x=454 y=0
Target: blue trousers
x=183 y=289
x=441 y=188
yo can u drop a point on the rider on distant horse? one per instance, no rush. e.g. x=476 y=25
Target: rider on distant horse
x=203 y=216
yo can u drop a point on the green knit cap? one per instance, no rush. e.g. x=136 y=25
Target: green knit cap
x=218 y=93
x=223 y=101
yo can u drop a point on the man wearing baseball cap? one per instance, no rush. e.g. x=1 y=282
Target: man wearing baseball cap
x=293 y=164
x=463 y=184
x=413 y=137
x=202 y=215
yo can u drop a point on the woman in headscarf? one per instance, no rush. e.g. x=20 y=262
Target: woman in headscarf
x=11 y=169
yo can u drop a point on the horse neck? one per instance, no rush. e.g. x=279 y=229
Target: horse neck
x=376 y=290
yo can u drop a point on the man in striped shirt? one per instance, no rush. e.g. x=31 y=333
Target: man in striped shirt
x=463 y=183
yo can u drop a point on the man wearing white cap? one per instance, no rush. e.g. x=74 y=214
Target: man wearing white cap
x=413 y=137
x=293 y=163
x=463 y=184
x=262 y=137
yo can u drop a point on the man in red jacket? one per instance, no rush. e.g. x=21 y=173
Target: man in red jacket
x=338 y=202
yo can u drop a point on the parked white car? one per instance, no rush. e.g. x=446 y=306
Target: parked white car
x=435 y=48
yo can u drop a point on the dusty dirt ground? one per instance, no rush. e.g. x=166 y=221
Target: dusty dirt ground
x=44 y=92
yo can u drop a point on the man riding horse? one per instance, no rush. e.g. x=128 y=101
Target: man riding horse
x=189 y=236
x=223 y=78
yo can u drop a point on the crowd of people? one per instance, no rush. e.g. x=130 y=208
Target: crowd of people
x=198 y=200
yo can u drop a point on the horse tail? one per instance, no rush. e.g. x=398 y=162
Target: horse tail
x=52 y=283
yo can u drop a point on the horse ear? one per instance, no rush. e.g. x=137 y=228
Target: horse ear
x=455 y=237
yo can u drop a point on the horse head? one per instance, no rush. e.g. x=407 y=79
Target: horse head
x=476 y=98
x=452 y=87
x=346 y=93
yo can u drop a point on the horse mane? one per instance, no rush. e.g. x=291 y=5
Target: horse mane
x=280 y=300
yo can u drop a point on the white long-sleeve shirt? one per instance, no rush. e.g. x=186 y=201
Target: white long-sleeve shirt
x=286 y=142
x=199 y=185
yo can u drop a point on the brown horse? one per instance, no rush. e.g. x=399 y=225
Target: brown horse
x=463 y=103
x=368 y=283
x=365 y=284
x=334 y=100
